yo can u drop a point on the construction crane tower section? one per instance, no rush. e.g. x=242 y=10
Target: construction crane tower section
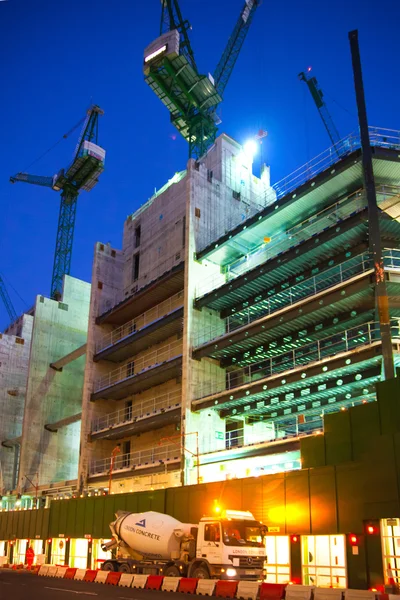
x=7 y=301
x=81 y=174
x=171 y=72
x=318 y=97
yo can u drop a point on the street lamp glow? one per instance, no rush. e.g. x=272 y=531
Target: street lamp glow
x=250 y=148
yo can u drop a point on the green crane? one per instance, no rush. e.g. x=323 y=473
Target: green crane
x=319 y=101
x=81 y=174
x=170 y=70
x=7 y=301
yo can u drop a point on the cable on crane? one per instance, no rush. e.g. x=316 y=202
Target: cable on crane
x=9 y=284
x=56 y=144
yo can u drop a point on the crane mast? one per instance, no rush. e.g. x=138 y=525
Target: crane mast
x=170 y=70
x=318 y=97
x=81 y=174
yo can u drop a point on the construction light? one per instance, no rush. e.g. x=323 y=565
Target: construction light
x=250 y=148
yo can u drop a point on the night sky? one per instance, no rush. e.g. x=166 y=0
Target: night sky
x=58 y=56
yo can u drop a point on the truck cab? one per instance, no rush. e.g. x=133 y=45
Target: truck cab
x=230 y=546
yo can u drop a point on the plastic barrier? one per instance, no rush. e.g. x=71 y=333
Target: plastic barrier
x=205 y=587
x=125 y=580
x=299 y=592
x=61 y=572
x=70 y=573
x=188 y=585
x=52 y=571
x=328 y=594
x=247 y=590
x=43 y=570
x=101 y=576
x=90 y=575
x=154 y=582
x=170 y=584
x=113 y=578
x=272 y=591
x=226 y=589
x=139 y=581
x=79 y=574
x=359 y=595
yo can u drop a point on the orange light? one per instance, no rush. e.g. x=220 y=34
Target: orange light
x=267 y=240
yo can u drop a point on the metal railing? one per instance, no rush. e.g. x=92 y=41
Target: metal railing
x=143 y=320
x=278 y=431
x=345 y=341
x=385 y=138
x=310 y=287
x=296 y=293
x=285 y=240
x=136 y=411
x=148 y=360
x=122 y=462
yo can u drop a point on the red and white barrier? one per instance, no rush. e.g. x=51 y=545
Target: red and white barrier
x=237 y=590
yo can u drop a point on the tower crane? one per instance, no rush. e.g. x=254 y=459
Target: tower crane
x=319 y=101
x=7 y=301
x=170 y=70
x=81 y=174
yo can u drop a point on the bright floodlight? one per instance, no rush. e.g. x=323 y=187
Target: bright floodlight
x=250 y=148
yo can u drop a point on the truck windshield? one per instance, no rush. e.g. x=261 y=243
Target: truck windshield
x=242 y=533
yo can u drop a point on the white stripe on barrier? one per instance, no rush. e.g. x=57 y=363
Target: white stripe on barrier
x=139 y=581
x=101 y=576
x=125 y=580
x=43 y=570
x=80 y=574
x=299 y=592
x=170 y=584
x=52 y=571
x=328 y=594
x=61 y=571
x=359 y=595
x=205 y=587
x=248 y=590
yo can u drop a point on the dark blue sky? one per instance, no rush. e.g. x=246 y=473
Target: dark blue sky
x=59 y=55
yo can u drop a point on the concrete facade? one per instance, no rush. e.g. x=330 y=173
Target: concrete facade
x=42 y=358
x=15 y=346
x=49 y=456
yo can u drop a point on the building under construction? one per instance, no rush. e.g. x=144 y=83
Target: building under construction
x=234 y=348
x=242 y=348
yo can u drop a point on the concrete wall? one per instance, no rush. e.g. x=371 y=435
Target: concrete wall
x=107 y=281
x=59 y=328
x=14 y=361
x=212 y=210
x=161 y=222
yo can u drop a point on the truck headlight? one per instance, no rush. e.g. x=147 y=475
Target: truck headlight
x=231 y=572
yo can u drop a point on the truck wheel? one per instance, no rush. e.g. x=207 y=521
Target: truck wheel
x=200 y=573
x=172 y=572
x=108 y=565
x=124 y=568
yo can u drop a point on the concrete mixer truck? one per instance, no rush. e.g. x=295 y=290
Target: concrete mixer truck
x=227 y=546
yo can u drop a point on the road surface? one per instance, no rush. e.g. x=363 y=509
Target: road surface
x=25 y=586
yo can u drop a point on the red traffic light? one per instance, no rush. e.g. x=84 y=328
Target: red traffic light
x=353 y=539
x=372 y=529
